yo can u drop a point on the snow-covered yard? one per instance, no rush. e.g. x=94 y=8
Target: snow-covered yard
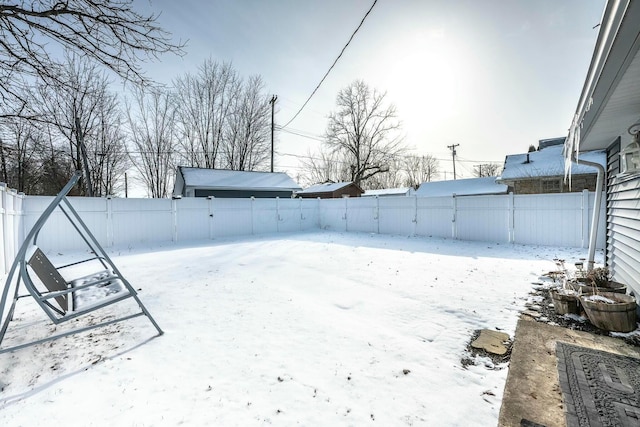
x=304 y=329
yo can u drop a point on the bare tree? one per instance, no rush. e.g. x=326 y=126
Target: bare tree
x=205 y=104
x=223 y=119
x=107 y=32
x=18 y=148
x=393 y=177
x=246 y=146
x=152 y=125
x=31 y=160
x=85 y=101
x=56 y=164
x=3 y=162
x=419 y=169
x=486 y=170
x=363 y=131
x=324 y=167
x=108 y=155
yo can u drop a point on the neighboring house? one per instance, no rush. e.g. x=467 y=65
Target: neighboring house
x=461 y=187
x=386 y=192
x=608 y=109
x=543 y=171
x=201 y=182
x=331 y=190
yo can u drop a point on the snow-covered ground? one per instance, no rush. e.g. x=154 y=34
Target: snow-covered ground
x=317 y=329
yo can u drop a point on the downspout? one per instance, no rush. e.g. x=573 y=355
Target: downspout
x=595 y=219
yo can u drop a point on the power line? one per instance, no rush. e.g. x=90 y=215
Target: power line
x=332 y=65
x=462 y=159
x=299 y=156
x=302 y=135
x=317 y=135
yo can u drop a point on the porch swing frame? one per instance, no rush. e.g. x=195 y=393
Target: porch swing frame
x=51 y=278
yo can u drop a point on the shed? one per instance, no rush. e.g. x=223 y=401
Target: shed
x=608 y=111
x=461 y=187
x=386 y=192
x=331 y=190
x=543 y=171
x=202 y=182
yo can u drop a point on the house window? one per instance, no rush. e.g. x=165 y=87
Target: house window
x=551 y=186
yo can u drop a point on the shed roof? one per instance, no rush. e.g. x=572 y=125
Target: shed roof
x=388 y=192
x=548 y=162
x=462 y=187
x=236 y=180
x=327 y=187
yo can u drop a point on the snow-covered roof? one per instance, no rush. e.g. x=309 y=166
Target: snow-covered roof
x=548 y=162
x=327 y=187
x=237 y=180
x=402 y=191
x=462 y=187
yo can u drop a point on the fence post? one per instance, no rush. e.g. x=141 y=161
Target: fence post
x=346 y=211
x=377 y=215
x=18 y=222
x=3 y=228
x=277 y=214
x=110 y=235
x=211 y=217
x=454 y=226
x=415 y=215
x=174 y=220
x=10 y=225
x=585 y=219
x=253 y=199
x=301 y=214
x=512 y=215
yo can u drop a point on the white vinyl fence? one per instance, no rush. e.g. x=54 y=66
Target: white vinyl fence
x=117 y=222
x=538 y=219
x=545 y=219
x=11 y=229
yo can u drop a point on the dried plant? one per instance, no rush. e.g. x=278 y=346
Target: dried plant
x=599 y=277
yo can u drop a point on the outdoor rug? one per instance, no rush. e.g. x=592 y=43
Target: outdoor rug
x=598 y=388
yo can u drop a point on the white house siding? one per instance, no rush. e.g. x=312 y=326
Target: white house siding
x=623 y=230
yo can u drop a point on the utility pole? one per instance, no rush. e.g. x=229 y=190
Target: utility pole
x=274 y=98
x=453 y=154
x=479 y=171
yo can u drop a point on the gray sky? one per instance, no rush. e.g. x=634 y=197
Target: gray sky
x=491 y=75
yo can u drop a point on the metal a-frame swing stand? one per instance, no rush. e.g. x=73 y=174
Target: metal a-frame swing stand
x=59 y=298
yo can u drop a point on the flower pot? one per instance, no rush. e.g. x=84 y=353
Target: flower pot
x=565 y=301
x=611 y=311
x=584 y=287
